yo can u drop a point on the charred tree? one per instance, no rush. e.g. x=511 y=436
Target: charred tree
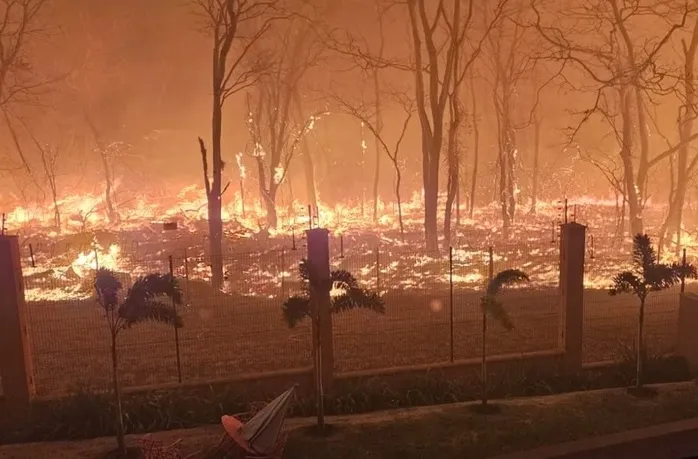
x=434 y=75
x=432 y=88
x=366 y=116
x=378 y=117
x=243 y=24
x=684 y=168
x=476 y=147
x=308 y=166
x=275 y=136
x=624 y=69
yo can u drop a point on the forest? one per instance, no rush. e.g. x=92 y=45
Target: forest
x=418 y=113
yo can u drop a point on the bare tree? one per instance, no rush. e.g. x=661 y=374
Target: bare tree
x=308 y=163
x=433 y=81
x=602 y=39
x=537 y=126
x=381 y=11
x=686 y=119
x=435 y=55
x=97 y=89
x=475 y=120
x=235 y=26
x=367 y=116
x=275 y=136
x=613 y=173
x=20 y=22
x=510 y=59
x=462 y=63
x=49 y=161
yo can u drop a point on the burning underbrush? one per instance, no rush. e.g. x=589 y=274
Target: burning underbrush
x=262 y=262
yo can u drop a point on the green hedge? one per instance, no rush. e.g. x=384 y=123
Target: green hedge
x=88 y=415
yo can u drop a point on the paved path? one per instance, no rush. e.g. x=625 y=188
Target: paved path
x=677 y=440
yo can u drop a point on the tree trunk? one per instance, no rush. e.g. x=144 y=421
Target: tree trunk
x=631 y=190
x=476 y=148
x=640 y=344
x=536 y=156
x=308 y=165
x=453 y=166
x=270 y=206
x=643 y=162
x=506 y=187
x=111 y=211
x=379 y=130
x=56 y=211
x=215 y=219
x=674 y=220
x=458 y=203
x=120 y=434
x=398 y=181
x=431 y=200
x=483 y=366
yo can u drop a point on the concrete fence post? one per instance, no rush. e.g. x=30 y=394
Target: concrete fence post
x=572 y=248
x=688 y=324
x=15 y=352
x=319 y=261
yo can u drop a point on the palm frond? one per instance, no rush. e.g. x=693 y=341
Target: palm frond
x=495 y=309
x=304 y=269
x=151 y=298
x=659 y=277
x=298 y=307
x=355 y=298
x=504 y=278
x=107 y=287
x=626 y=282
x=153 y=286
x=650 y=275
x=644 y=255
x=295 y=309
x=687 y=271
x=343 y=279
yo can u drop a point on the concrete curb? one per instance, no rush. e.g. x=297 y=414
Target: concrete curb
x=676 y=440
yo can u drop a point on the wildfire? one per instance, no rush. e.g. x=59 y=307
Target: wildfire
x=68 y=272
x=88 y=262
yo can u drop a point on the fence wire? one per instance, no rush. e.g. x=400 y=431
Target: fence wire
x=610 y=323
x=432 y=311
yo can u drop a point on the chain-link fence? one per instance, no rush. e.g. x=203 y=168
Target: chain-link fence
x=432 y=312
x=237 y=330
x=611 y=323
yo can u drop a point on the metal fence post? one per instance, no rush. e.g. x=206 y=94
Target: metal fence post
x=31 y=256
x=490 y=264
x=683 y=272
x=378 y=269
x=176 y=330
x=186 y=275
x=450 y=279
x=283 y=270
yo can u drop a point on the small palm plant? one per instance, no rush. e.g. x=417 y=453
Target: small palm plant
x=491 y=306
x=145 y=301
x=346 y=294
x=647 y=275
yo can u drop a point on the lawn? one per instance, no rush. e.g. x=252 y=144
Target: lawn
x=450 y=431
